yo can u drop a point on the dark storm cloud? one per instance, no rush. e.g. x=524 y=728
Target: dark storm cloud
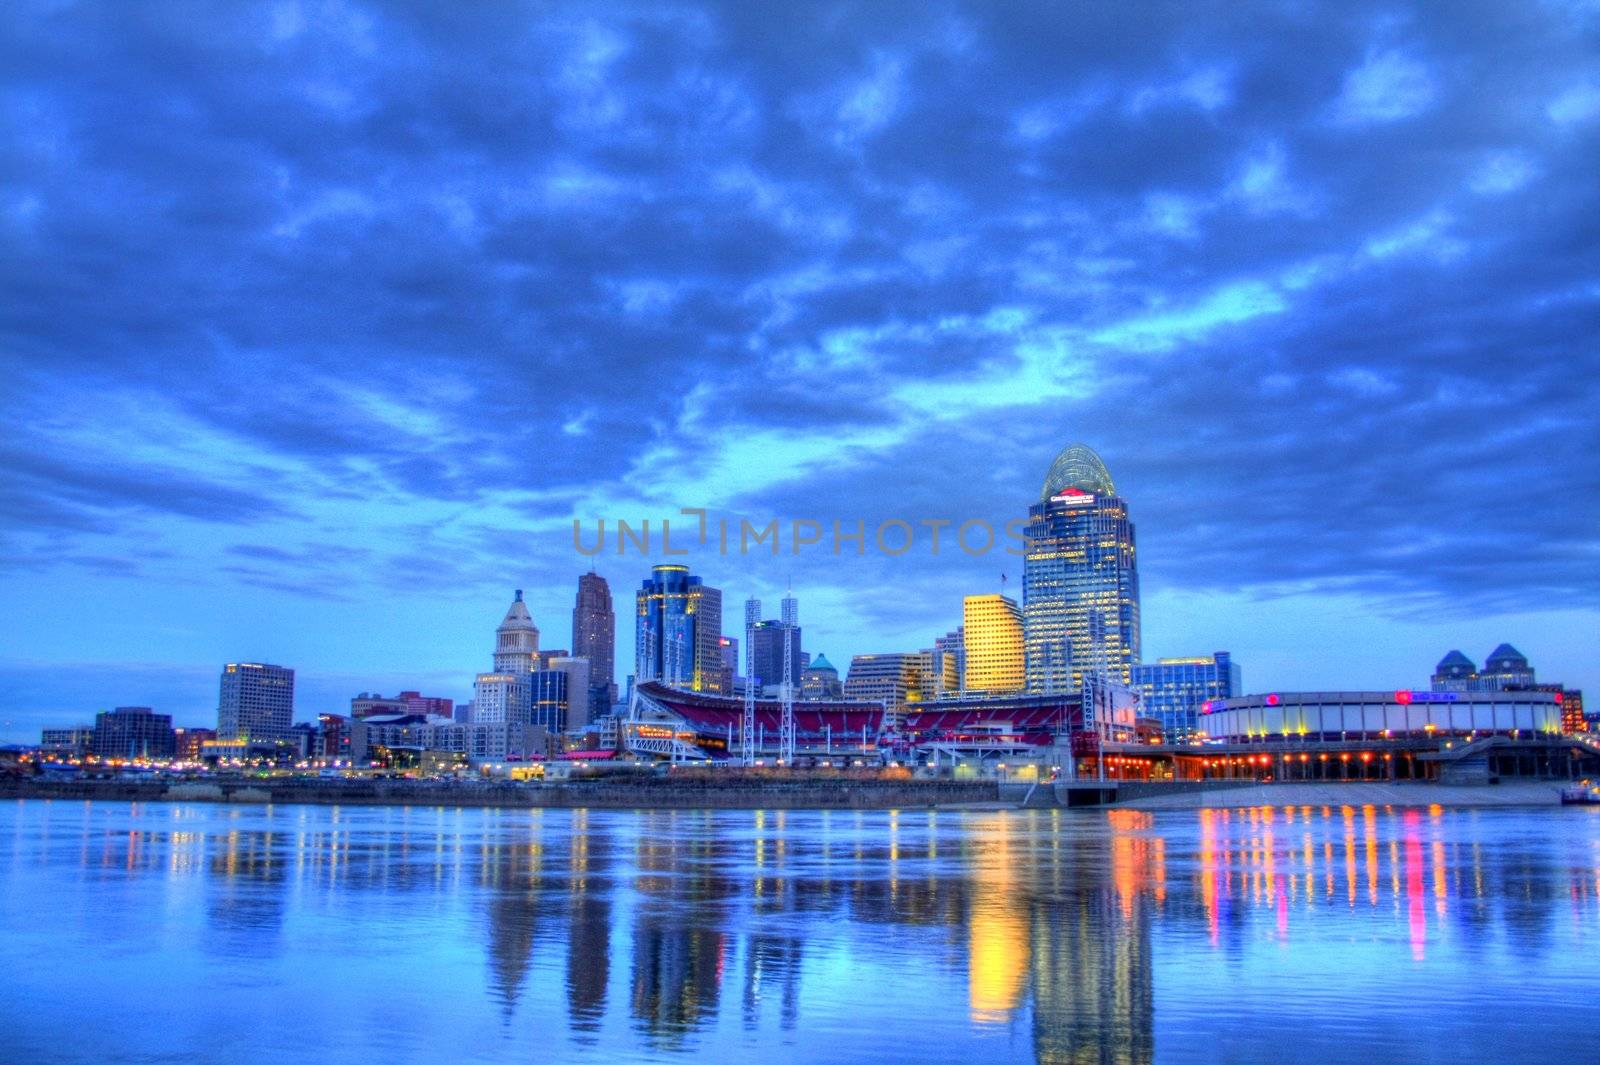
x=1318 y=280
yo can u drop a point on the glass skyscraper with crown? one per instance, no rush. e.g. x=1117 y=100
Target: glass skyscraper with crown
x=678 y=631
x=1080 y=578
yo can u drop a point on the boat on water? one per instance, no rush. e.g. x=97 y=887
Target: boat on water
x=1583 y=793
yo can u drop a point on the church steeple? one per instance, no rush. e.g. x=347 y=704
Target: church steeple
x=516 y=640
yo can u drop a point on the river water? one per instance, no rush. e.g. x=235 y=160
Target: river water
x=208 y=933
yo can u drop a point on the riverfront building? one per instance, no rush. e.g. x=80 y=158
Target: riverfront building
x=133 y=732
x=678 y=631
x=1294 y=717
x=992 y=641
x=1172 y=690
x=1080 y=579
x=670 y=723
x=256 y=703
x=72 y=742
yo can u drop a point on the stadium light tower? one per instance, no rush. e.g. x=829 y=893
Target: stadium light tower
x=791 y=622
x=747 y=730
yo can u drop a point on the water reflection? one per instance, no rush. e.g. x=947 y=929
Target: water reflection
x=1047 y=936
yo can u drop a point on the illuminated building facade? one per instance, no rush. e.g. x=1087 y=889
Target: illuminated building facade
x=895 y=680
x=256 y=703
x=1080 y=582
x=678 y=631
x=1336 y=716
x=191 y=741
x=992 y=642
x=1172 y=690
x=594 y=636
x=502 y=699
x=73 y=742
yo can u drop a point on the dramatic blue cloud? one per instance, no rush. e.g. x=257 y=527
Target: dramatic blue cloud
x=325 y=320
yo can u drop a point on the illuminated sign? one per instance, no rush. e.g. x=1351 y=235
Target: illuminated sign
x=1073 y=498
x=1425 y=697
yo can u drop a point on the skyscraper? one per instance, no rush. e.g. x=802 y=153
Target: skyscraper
x=1173 y=690
x=505 y=696
x=767 y=640
x=678 y=630
x=1080 y=581
x=594 y=636
x=516 y=640
x=257 y=702
x=991 y=628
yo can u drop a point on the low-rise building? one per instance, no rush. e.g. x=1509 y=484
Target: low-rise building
x=74 y=741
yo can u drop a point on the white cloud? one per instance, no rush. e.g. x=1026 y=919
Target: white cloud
x=1387 y=87
x=1578 y=104
x=871 y=103
x=1503 y=172
x=1163 y=329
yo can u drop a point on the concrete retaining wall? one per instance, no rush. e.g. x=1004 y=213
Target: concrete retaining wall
x=647 y=793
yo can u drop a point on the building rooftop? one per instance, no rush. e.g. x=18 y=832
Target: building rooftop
x=1077 y=466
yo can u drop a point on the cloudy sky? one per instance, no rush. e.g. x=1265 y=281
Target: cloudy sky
x=324 y=321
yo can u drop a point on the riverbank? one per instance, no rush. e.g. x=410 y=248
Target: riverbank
x=1519 y=793
x=715 y=791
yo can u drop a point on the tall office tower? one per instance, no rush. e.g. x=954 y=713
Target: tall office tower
x=1080 y=581
x=678 y=631
x=1175 y=690
x=257 y=702
x=767 y=640
x=516 y=643
x=580 y=690
x=991 y=627
x=594 y=636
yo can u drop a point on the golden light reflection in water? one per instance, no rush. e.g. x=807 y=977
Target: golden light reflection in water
x=997 y=933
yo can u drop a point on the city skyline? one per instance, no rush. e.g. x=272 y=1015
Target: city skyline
x=305 y=388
